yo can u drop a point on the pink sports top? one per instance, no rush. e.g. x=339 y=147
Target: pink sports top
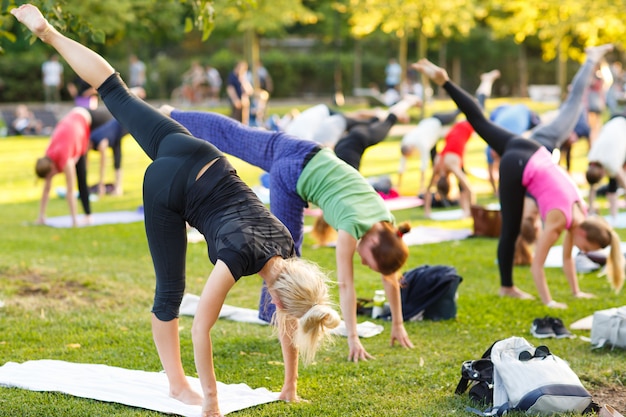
x=551 y=186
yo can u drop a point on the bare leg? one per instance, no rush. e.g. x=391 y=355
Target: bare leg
x=118 y=182
x=165 y=334
x=87 y=64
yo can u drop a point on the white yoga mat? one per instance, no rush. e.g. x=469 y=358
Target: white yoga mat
x=423 y=235
x=148 y=390
x=454 y=214
x=554 y=258
x=189 y=306
x=583 y=324
x=555 y=255
x=98 y=219
x=619 y=222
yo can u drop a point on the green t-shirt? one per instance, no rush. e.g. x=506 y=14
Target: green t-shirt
x=348 y=201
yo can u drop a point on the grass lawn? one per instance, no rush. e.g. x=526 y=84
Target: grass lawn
x=84 y=295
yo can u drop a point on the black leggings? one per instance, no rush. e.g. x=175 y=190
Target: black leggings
x=515 y=152
x=361 y=135
x=177 y=158
x=117 y=154
x=447 y=118
x=83 y=188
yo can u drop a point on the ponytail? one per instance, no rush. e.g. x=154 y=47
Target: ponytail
x=600 y=232
x=322 y=232
x=615 y=263
x=391 y=252
x=306 y=313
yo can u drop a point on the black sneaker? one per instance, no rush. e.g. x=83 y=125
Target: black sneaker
x=542 y=328
x=559 y=328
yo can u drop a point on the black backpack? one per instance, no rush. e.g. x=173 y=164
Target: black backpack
x=478 y=376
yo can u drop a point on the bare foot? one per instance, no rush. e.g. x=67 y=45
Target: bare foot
x=139 y=92
x=595 y=53
x=432 y=71
x=31 y=17
x=401 y=108
x=515 y=292
x=166 y=109
x=556 y=305
x=188 y=396
x=491 y=75
x=291 y=397
x=581 y=294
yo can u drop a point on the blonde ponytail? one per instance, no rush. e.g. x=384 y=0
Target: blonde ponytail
x=302 y=290
x=322 y=233
x=600 y=232
x=615 y=263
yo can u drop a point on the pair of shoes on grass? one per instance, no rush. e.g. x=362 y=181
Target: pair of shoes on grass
x=549 y=327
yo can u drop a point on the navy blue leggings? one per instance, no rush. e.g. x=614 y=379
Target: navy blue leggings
x=177 y=158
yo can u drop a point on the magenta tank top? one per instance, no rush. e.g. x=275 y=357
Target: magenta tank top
x=551 y=186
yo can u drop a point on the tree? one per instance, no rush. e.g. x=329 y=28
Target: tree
x=96 y=20
x=426 y=18
x=260 y=17
x=564 y=27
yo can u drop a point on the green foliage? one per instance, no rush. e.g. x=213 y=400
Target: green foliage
x=22 y=82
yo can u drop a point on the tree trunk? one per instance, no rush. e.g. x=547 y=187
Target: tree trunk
x=402 y=54
x=422 y=53
x=456 y=70
x=523 y=71
x=253 y=55
x=357 y=79
x=443 y=56
x=562 y=66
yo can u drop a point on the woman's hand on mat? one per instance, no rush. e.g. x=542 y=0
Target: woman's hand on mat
x=357 y=351
x=399 y=334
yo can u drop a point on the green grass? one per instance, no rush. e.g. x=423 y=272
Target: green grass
x=84 y=295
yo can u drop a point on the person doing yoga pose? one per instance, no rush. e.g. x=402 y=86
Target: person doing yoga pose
x=422 y=140
x=302 y=171
x=363 y=134
x=189 y=180
x=67 y=153
x=450 y=160
x=526 y=166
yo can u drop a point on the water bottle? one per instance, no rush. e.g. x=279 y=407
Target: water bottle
x=379 y=303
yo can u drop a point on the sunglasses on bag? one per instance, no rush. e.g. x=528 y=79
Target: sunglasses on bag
x=479 y=370
x=540 y=352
